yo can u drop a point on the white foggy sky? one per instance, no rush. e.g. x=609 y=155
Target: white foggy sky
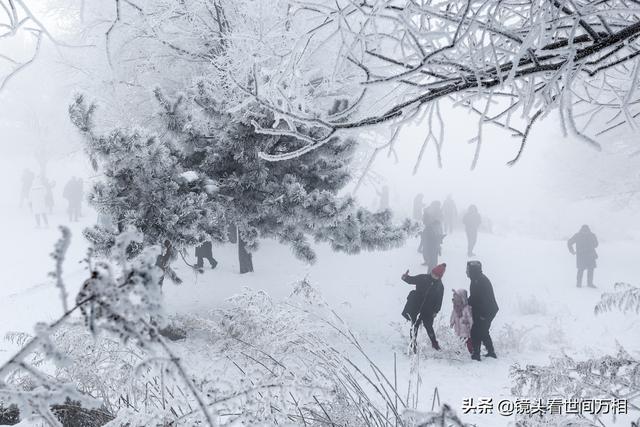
x=549 y=192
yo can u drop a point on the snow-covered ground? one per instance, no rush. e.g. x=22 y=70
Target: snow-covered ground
x=542 y=313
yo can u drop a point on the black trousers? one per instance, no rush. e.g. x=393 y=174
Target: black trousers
x=209 y=258
x=427 y=321
x=589 y=276
x=480 y=335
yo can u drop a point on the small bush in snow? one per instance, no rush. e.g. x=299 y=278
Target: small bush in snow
x=531 y=305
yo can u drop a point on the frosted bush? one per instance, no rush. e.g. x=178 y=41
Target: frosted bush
x=512 y=338
x=531 y=305
x=253 y=361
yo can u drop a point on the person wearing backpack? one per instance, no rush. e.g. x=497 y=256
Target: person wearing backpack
x=424 y=303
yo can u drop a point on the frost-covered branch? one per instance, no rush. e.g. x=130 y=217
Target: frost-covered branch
x=531 y=55
x=625 y=298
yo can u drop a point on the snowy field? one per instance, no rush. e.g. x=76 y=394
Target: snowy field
x=541 y=314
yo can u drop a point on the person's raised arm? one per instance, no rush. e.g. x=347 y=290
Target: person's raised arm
x=407 y=278
x=570 y=244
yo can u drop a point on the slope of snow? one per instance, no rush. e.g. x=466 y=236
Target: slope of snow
x=542 y=313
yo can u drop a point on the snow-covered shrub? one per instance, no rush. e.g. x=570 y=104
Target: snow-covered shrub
x=512 y=338
x=452 y=347
x=626 y=298
x=445 y=417
x=531 y=305
x=555 y=333
x=607 y=377
x=60 y=367
x=253 y=361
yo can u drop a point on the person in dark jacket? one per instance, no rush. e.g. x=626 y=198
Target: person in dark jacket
x=204 y=252
x=424 y=303
x=431 y=242
x=585 y=251
x=483 y=309
x=471 y=222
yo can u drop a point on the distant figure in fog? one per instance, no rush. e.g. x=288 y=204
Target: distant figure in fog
x=418 y=207
x=450 y=214
x=585 y=243
x=431 y=242
x=73 y=193
x=433 y=212
x=49 y=184
x=38 y=201
x=26 y=184
x=384 y=198
x=204 y=252
x=471 y=221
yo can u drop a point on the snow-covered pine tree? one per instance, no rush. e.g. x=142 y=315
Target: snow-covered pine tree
x=203 y=175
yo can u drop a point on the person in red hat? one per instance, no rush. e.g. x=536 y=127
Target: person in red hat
x=424 y=303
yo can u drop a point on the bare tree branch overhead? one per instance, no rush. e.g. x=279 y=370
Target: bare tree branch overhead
x=510 y=62
x=22 y=33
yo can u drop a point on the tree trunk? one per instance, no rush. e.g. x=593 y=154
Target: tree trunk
x=233 y=233
x=246 y=263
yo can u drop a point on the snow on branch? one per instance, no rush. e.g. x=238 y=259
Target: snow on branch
x=21 y=26
x=625 y=298
x=491 y=57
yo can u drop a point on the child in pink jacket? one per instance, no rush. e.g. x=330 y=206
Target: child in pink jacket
x=461 y=320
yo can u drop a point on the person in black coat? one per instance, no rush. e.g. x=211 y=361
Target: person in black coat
x=204 y=252
x=585 y=251
x=424 y=303
x=483 y=309
x=431 y=242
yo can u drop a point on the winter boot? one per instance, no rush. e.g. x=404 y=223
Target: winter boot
x=435 y=345
x=488 y=343
x=590 y=278
x=476 y=351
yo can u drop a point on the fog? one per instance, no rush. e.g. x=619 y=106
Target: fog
x=558 y=184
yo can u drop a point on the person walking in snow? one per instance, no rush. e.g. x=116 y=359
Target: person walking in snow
x=418 y=207
x=73 y=193
x=27 y=182
x=49 y=184
x=204 y=252
x=471 y=222
x=431 y=242
x=38 y=201
x=483 y=309
x=433 y=212
x=424 y=303
x=461 y=317
x=449 y=214
x=585 y=243
x=384 y=198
